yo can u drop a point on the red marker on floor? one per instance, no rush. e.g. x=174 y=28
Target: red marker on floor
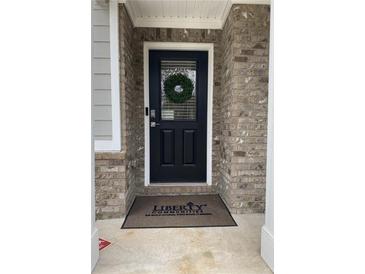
x=103 y=243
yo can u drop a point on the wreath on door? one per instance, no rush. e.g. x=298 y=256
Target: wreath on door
x=178 y=88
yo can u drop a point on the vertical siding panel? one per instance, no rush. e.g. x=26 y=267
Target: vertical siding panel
x=101 y=81
x=102 y=97
x=101 y=49
x=102 y=113
x=101 y=17
x=101 y=66
x=101 y=34
x=101 y=71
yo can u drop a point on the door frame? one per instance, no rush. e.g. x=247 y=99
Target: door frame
x=209 y=47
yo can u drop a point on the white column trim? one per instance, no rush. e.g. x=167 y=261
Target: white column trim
x=115 y=143
x=209 y=47
x=94 y=230
x=94 y=246
x=267 y=247
x=267 y=233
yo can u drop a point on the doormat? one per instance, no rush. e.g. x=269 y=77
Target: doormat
x=178 y=211
x=103 y=243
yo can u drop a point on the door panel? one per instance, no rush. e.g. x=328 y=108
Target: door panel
x=168 y=147
x=189 y=146
x=178 y=131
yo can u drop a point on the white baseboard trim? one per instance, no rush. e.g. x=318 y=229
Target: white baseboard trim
x=267 y=247
x=94 y=248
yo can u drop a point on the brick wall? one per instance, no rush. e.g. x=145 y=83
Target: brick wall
x=128 y=97
x=239 y=114
x=244 y=108
x=110 y=185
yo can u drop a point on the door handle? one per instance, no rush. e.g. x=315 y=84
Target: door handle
x=154 y=124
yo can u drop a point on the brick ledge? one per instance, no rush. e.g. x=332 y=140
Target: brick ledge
x=120 y=155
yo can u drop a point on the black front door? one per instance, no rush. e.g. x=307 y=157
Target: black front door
x=178 y=115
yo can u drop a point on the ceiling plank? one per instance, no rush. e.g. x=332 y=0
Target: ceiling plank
x=182 y=13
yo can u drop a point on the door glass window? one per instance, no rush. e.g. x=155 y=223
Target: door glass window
x=178 y=90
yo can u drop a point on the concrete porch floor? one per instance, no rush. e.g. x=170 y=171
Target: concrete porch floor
x=223 y=250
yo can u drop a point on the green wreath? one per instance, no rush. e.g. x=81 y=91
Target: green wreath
x=178 y=88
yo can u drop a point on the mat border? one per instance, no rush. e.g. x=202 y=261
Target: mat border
x=137 y=196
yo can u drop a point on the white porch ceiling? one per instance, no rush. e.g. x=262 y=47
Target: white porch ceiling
x=207 y=14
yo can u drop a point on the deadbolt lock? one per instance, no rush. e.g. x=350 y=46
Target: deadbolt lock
x=153 y=113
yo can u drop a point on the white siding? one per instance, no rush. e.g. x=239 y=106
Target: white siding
x=102 y=109
x=102 y=113
x=101 y=49
x=102 y=97
x=101 y=33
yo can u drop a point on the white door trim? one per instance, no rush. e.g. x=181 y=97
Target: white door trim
x=209 y=47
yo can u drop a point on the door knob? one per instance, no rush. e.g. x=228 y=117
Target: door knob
x=154 y=124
